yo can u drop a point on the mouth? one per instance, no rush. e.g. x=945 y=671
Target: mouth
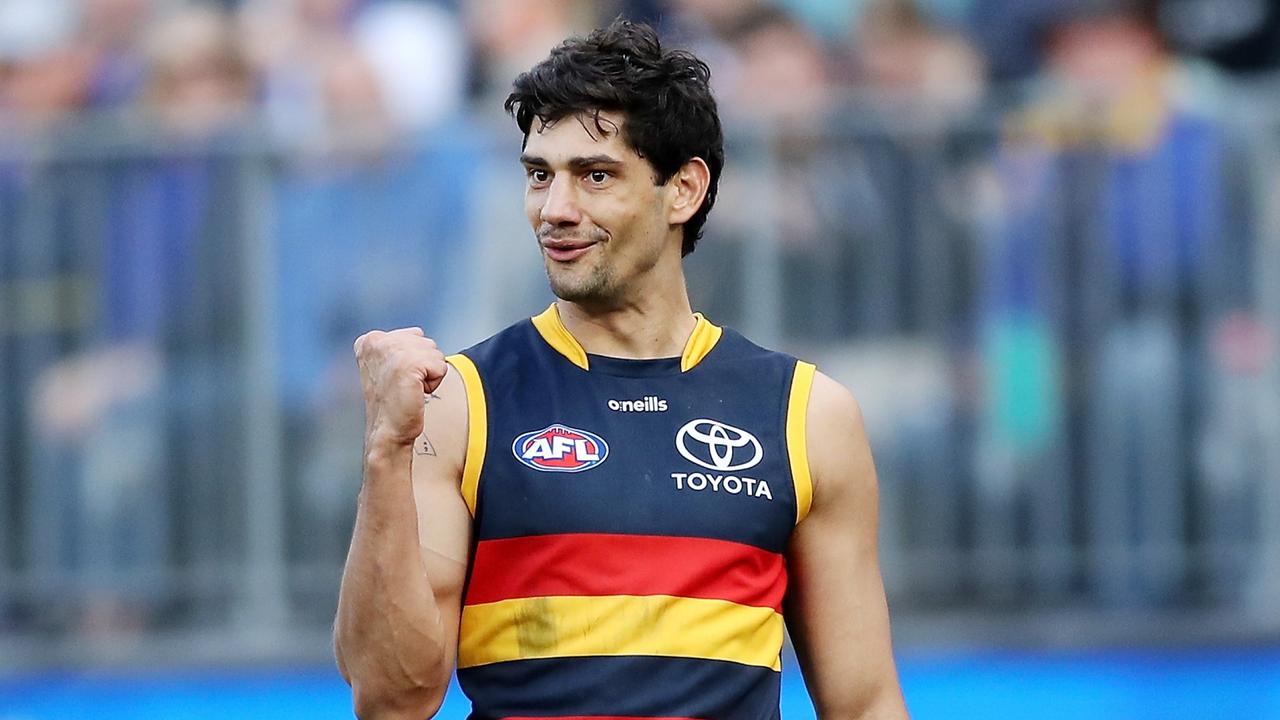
x=566 y=250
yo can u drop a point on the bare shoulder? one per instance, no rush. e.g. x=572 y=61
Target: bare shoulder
x=839 y=455
x=830 y=401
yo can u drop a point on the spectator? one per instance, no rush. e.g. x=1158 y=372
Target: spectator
x=364 y=238
x=1240 y=35
x=774 y=51
x=30 y=30
x=107 y=411
x=509 y=36
x=1119 y=229
x=788 y=141
x=715 y=20
x=705 y=26
x=917 y=87
x=417 y=53
x=199 y=80
x=829 y=18
x=905 y=60
x=100 y=67
x=319 y=89
x=1005 y=30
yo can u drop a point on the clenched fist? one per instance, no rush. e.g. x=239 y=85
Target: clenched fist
x=396 y=369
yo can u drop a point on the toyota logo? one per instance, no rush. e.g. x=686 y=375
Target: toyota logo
x=716 y=446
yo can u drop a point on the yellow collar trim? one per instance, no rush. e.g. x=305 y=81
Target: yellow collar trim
x=703 y=338
x=557 y=336
x=701 y=341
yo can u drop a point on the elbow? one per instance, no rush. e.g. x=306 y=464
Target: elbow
x=386 y=685
x=337 y=656
x=885 y=704
x=378 y=703
x=376 y=695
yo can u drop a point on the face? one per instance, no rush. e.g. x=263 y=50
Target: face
x=601 y=222
x=1101 y=57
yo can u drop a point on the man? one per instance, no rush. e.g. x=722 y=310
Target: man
x=612 y=505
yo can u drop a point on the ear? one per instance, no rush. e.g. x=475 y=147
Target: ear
x=687 y=189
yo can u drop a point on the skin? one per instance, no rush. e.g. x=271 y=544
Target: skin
x=396 y=631
x=835 y=608
x=624 y=296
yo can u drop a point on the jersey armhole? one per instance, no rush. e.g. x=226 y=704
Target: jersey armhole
x=477 y=429
x=797 y=444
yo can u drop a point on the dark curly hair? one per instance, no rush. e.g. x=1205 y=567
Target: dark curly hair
x=664 y=97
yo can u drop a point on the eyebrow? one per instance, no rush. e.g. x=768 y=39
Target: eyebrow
x=575 y=163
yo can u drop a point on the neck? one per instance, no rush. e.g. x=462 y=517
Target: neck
x=657 y=325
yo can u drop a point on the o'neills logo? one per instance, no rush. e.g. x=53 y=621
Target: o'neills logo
x=649 y=403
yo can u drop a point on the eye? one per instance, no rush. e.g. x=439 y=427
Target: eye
x=598 y=177
x=538 y=176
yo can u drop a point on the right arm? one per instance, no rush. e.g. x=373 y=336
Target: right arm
x=396 y=632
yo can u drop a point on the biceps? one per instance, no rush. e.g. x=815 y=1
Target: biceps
x=837 y=614
x=444 y=523
x=836 y=590
x=444 y=529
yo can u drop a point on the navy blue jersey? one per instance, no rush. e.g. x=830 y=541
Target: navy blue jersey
x=630 y=524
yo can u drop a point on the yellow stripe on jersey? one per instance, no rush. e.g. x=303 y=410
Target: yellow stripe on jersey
x=656 y=625
x=703 y=338
x=552 y=329
x=477 y=428
x=797 y=446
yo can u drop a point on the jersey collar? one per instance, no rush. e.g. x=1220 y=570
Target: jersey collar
x=701 y=341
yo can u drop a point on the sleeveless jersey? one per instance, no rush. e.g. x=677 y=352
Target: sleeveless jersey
x=630 y=524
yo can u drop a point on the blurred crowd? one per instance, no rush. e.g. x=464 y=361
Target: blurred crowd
x=404 y=64
x=1025 y=227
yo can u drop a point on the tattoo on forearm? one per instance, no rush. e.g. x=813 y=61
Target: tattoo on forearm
x=423 y=445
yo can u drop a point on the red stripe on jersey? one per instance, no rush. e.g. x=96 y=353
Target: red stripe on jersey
x=600 y=564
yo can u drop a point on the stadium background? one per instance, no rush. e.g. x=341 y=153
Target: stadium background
x=1040 y=239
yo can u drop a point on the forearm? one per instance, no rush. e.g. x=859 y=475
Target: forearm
x=388 y=636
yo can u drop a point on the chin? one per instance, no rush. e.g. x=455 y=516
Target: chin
x=591 y=290
x=576 y=294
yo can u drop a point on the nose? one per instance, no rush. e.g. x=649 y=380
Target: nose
x=560 y=205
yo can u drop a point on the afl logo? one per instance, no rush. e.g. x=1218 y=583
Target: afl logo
x=717 y=446
x=558 y=448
